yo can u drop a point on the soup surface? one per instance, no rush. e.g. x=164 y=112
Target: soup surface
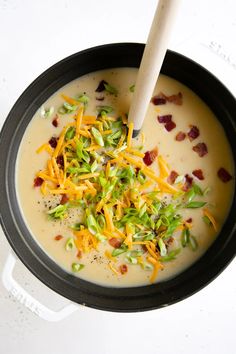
x=119 y=211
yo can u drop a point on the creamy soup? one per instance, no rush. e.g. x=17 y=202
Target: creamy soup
x=119 y=211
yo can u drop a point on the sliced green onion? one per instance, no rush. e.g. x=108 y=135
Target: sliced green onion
x=206 y=191
x=197 y=189
x=131 y=88
x=59 y=212
x=147 y=266
x=194 y=205
x=132 y=260
x=193 y=243
x=162 y=246
x=104 y=110
x=170 y=256
x=94 y=166
x=70 y=133
x=47 y=112
x=67 y=108
x=97 y=136
x=117 y=251
x=206 y=220
x=92 y=224
x=76 y=267
x=185 y=237
x=70 y=244
x=110 y=89
x=179 y=179
x=83 y=99
x=100 y=237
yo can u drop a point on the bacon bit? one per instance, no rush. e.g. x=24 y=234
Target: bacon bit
x=144 y=247
x=115 y=242
x=198 y=174
x=164 y=119
x=170 y=126
x=53 y=142
x=170 y=241
x=55 y=121
x=193 y=133
x=200 y=149
x=100 y=98
x=79 y=254
x=101 y=86
x=188 y=183
x=58 y=237
x=180 y=136
x=172 y=177
x=64 y=199
x=189 y=220
x=159 y=99
x=60 y=161
x=38 y=181
x=224 y=175
x=123 y=268
x=150 y=156
x=176 y=99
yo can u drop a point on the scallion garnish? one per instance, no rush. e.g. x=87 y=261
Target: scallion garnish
x=97 y=136
x=195 y=204
x=47 y=112
x=76 y=267
x=110 y=89
x=59 y=212
x=131 y=88
x=70 y=244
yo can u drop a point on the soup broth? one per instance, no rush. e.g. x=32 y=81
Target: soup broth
x=177 y=174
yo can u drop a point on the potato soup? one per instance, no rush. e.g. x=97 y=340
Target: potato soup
x=119 y=211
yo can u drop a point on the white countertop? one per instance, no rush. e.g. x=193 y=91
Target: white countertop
x=33 y=36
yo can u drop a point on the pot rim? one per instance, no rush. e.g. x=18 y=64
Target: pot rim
x=45 y=269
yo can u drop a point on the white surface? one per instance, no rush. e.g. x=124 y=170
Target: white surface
x=33 y=36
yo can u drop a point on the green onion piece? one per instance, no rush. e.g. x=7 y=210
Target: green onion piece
x=70 y=133
x=100 y=237
x=110 y=89
x=162 y=246
x=83 y=99
x=59 y=212
x=131 y=88
x=194 y=205
x=206 y=220
x=170 y=256
x=197 y=189
x=179 y=179
x=185 y=237
x=47 y=112
x=190 y=195
x=132 y=260
x=158 y=224
x=117 y=251
x=150 y=236
x=76 y=226
x=97 y=136
x=206 y=191
x=147 y=266
x=92 y=224
x=104 y=110
x=70 y=244
x=80 y=152
x=94 y=166
x=67 y=108
x=76 y=267
x=193 y=243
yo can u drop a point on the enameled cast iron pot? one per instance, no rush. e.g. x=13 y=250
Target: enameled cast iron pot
x=141 y=298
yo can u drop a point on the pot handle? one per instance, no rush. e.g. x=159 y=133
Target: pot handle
x=26 y=299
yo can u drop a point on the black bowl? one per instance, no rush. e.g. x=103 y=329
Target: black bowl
x=222 y=251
